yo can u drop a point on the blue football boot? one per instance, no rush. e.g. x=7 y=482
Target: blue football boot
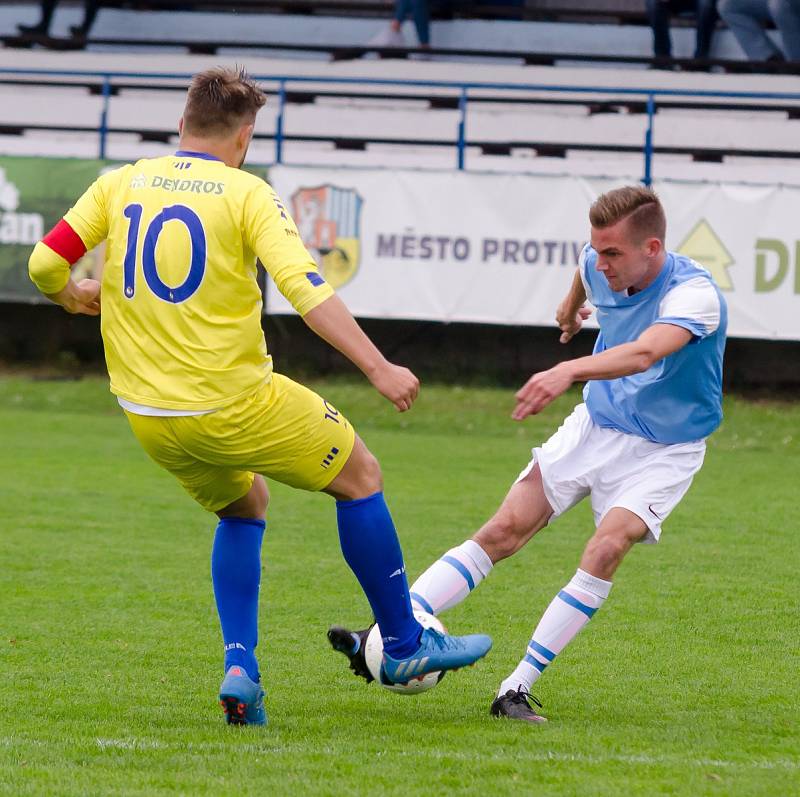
x=242 y=699
x=436 y=651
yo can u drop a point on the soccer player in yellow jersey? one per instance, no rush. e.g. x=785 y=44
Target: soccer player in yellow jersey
x=181 y=325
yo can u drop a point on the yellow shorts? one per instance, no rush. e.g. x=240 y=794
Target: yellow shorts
x=283 y=431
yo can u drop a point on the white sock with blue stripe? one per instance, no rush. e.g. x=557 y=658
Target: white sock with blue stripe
x=569 y=611
x=450 y=579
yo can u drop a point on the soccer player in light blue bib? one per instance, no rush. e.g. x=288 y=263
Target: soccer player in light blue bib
x=653 y=394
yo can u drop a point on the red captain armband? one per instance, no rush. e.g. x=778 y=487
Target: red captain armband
x=64 y=241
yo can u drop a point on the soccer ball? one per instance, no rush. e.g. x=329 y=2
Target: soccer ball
x=373 y=654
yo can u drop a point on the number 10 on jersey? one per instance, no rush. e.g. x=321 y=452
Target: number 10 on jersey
x=197 y=265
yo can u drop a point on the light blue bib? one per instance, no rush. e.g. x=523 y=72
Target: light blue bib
x=679 y=398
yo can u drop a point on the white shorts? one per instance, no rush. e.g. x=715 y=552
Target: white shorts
x=616 y=469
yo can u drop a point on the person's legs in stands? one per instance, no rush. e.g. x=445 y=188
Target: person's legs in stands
x=746 y=19
x=659 y=13
x=47 y=7
x=786 y=14
x=90 y=9
x=402 y=8
x=706 y=22
x=393 y=35
x=422 y=21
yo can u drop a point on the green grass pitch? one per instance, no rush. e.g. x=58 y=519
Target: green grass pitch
x=686 y=683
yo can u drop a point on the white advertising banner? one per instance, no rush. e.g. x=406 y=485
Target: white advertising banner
x=502 y=249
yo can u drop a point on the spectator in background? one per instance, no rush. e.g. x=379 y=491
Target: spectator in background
x=393 y=35
x=48 y=7
x=659 y=13
x=746 y=19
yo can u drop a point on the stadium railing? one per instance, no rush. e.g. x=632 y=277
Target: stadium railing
x=442 y=94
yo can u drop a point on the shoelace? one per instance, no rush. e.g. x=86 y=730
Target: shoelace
x=523 y=697
x=444 y=642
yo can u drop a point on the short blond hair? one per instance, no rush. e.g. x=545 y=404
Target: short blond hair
x=636 y=203
x=220 y=100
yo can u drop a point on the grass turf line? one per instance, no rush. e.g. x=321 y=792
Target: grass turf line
x=686 y=682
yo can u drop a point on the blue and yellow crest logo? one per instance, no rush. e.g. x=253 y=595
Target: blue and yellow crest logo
x=329 y=222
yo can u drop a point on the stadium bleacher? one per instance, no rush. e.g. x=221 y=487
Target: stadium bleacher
x=316 y=28
x=415 y=125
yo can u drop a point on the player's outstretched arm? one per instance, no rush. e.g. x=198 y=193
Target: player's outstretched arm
x=333 y=322
x=654 y=343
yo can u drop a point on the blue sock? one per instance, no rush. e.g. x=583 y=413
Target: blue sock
x=236 y=573
x=371 y=548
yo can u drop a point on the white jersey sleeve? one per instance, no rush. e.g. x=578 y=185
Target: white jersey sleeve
x=693 y=305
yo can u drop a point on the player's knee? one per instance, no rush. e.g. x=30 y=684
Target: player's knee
x=605 y=552
x=260 y=496
x=360 y=477
x=251 y=505
x=500 y=537
x=370 y=475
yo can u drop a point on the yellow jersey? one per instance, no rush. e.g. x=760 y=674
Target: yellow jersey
x=181 y=308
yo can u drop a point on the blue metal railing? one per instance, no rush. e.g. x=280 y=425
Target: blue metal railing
x=279 y=121
x=648 y=141
x=462 y=128
x=461 y=87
